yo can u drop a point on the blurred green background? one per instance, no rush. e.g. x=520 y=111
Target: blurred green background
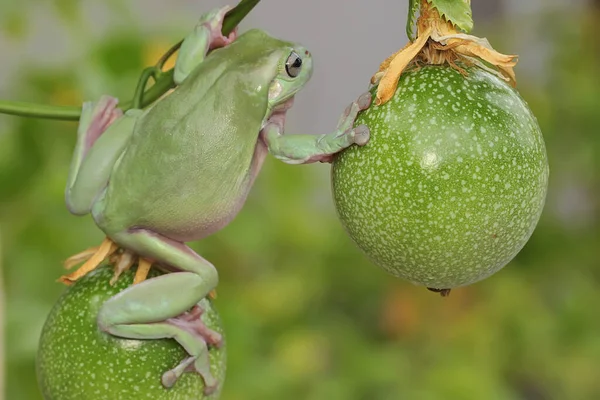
x=307 y=316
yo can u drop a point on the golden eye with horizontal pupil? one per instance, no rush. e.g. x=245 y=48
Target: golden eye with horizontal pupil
x=293 y=65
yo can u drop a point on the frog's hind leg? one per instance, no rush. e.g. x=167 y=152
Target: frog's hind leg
x=166 y=306
x=189 y=331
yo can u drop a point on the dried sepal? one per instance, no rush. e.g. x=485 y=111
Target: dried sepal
x=471 y=46
x=397 y=65
x=438 y=42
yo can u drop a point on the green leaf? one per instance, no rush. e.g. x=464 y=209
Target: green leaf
x=413 y=8
x=456 y=11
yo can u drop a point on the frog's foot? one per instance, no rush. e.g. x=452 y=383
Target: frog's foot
x=207 y=36
x=213 y=22
x=93 y=256
x=191 y=323
x=360 y=134
x=104 y=113
x=163 y=306
x=188 y=329
x=191 y=333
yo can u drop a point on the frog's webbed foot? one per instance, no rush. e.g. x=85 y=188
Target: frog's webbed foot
x=121 y=259
x=213 y=22
x=191 y=323
x=360 y=135
x=207 y=36
x=166 y=306
x=98 y=117
x=192 y=320
x=345 y=131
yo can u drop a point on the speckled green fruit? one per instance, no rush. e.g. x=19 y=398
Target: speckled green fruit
x=452 y=183
x=76 y=361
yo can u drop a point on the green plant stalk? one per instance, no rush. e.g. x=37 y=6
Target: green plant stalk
x=162 y=85
x=138 y=97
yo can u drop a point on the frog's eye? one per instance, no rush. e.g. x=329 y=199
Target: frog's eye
x=293 y=65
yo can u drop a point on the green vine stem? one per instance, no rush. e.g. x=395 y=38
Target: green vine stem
x=138 y=97
x=164 y=80
x=23 y=109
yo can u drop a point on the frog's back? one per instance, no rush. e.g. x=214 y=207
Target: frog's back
x=188 y=168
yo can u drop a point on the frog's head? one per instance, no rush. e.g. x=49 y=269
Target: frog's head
x=271 y=70
x=294 y=69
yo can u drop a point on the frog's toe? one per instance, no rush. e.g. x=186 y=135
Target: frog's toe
x=191 y=321
x=364 y=101
x=170 y=377
x=202 y=366
x=196 y=339
x=215 y=25
x=361 y=135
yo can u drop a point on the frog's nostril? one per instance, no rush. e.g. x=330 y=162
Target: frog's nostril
x=306 y=52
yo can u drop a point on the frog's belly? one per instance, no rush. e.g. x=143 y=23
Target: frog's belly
x=183 y=209
x=200 y=220
x=186 y=193
x=183 y=215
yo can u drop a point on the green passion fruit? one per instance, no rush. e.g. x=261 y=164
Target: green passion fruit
x=76 y=361
x=452 y=182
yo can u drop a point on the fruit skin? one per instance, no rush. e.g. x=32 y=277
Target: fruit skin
x=452 y=183
x=76 y=361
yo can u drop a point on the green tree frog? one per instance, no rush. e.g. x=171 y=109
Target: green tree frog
x=181 y=170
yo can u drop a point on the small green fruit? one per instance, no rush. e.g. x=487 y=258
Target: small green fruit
x=452 y=183
x=76 y=361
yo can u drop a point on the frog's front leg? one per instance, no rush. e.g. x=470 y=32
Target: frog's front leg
x=102 y=135
x=206 y=36
x=163 y=307
x=304 y=149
